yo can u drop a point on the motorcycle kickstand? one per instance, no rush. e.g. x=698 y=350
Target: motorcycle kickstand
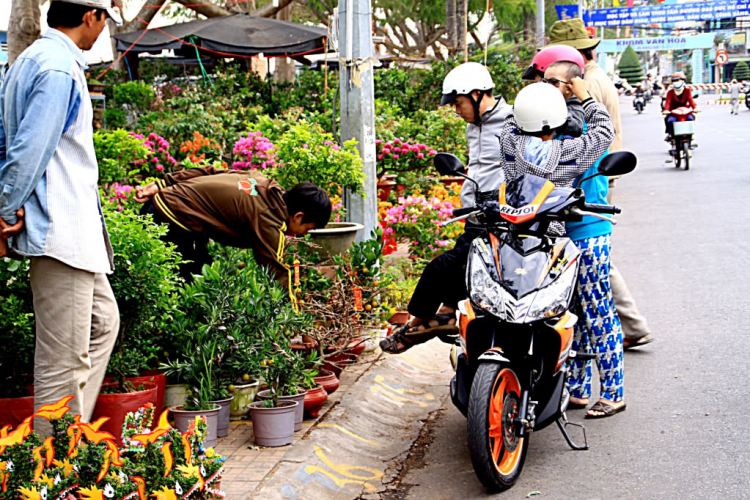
x=562 y=424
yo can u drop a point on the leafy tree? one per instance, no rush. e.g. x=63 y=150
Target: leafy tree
x=630 y=67
x=741 y=71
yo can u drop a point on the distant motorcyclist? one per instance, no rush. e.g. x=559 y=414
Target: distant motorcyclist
x=677 y=98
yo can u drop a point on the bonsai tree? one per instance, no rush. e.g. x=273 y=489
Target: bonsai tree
x=630 y=67
x=145 y=283
x=741 y=71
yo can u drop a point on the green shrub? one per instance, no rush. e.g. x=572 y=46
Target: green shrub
x=145 y=284
x=137 y=95
x=16 y=329
x=741 y=71
x=630 y=67
x=117 y=152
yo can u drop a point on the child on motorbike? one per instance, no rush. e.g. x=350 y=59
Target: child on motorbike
x=528 y=147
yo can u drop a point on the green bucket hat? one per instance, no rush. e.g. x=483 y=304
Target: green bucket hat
x=571 y=32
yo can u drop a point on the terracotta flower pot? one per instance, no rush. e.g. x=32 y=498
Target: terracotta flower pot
x=357 y=346
x=400 y=318
x=447 y=181
x=157 y=377
x=384 y=190
x=327 y=380
x=222 y=424
x=244 y=394
x=273 y=426
x=182 y=419
x=336 y=363
x=299 y=412
x=14 y=410
x=314 y=401
x=116 y=406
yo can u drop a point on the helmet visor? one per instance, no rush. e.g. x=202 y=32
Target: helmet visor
x=448 y=98
x=530 y=73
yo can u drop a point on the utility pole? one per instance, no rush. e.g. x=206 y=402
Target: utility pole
x=358 y=105
x=539 y=23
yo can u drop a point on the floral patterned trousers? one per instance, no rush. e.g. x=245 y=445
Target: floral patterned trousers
x=598 y=326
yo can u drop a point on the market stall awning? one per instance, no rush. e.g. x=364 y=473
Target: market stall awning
x=240 y=34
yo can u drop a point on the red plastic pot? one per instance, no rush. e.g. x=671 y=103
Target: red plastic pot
x=13 y=411
x=314 y=401
x=116 y=406
x=327 y=380
x=160 y=380
x=400 y=318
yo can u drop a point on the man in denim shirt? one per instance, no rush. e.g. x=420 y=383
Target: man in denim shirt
x=48 y=169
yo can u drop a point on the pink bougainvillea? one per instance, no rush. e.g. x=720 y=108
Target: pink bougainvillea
x=254 y=151
x=158 y=158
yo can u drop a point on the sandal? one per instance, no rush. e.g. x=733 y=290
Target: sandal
x=607 y=410
x=630 y=344
x=408 y=336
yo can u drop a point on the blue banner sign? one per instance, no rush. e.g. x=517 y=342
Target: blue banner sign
x=694 y=11
x=702 y=41
x=567 y=11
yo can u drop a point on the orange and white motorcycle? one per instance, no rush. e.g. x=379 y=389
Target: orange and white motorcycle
x=516 y=328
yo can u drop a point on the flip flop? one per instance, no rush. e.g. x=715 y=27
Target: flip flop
x=646 y=339
x=607 y=410
x=409 y=336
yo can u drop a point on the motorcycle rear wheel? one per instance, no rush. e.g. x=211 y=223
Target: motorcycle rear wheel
x=686 y=154
x=677 y=154
x=497 y=453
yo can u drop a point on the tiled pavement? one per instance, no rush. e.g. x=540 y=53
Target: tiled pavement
x=247 y=464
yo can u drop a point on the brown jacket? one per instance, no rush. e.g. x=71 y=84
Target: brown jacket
x=603 y=90
x=240 y=209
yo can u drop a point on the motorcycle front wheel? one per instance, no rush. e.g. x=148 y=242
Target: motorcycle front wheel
x=497 y=453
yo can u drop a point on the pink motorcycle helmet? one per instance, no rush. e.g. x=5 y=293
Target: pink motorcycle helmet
x=552 y=54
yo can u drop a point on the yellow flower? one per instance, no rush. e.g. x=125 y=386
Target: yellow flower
x=210 y=452
x=393 y=310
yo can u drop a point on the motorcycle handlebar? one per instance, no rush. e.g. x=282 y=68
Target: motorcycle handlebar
x=463 y=211
x=602 y=209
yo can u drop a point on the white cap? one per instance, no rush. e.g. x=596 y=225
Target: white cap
x=112 y=12
x=465 y=79
x=540 y=107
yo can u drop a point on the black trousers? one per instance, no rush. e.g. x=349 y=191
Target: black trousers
x=192 y=246
x=443 y=280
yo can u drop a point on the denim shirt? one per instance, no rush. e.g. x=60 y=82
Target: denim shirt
x=47 y=161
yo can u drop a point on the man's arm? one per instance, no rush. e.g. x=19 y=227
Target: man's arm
x=588 y=148
x=49 y=109
x=574 y=124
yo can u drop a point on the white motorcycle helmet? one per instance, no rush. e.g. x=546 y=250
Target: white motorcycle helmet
x=540 y=107
x=465 y=79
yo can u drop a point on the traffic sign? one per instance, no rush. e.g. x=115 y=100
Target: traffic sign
x=722 y=57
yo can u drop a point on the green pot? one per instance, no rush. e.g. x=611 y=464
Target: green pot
x=243 y=395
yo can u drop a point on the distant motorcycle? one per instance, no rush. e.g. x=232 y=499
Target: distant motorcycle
x=639 y=102
x=682 y=136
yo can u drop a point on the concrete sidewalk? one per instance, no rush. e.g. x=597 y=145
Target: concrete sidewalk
x=356 y=445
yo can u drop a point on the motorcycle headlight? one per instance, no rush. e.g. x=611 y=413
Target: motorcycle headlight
x=485 y=291
x=553 y=299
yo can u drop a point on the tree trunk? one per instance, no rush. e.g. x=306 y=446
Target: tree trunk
x=24 y=26
x=140 y=22
x=462 y=18
x=451 y=26
x=284 y=71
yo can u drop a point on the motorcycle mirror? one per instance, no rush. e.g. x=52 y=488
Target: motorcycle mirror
x=619 y=163
x=448 y=164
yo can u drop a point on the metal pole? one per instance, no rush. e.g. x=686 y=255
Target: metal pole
x=357 y=105
x=540 y=23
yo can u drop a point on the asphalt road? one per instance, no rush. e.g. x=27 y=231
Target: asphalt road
x=681 y=244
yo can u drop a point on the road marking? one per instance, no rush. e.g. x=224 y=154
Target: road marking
x=381 y=380
x=396 y=399
x=350 y=433
x=345 y=471
x=417 y=363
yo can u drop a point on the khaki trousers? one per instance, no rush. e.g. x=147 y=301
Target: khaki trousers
x=77 y=323
x=634 y=325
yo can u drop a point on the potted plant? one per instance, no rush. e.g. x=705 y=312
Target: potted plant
x=327 y=380
x=17 y=342
x=144 y=283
